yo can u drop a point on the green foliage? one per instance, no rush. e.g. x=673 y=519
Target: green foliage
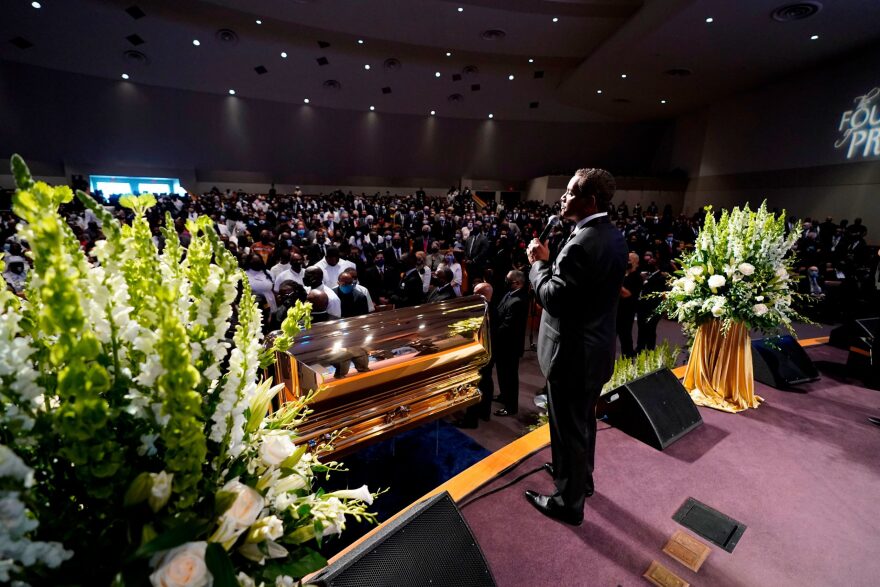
x=739 y=271
x=628 y=369
x=141 y=423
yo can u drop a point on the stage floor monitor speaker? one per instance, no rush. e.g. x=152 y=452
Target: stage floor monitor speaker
x=781 y=362
x=429 y=544
x=655 y=409
x=847 y=333
x=862 y=360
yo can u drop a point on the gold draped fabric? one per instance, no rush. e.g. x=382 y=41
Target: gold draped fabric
x=719 y=373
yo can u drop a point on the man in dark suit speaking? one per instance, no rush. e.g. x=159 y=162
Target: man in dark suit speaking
x=579 y=293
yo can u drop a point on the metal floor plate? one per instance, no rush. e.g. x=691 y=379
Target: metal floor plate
x=709 y=523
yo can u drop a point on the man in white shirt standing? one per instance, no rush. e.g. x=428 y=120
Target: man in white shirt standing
x=294 y=271
x=332 y=266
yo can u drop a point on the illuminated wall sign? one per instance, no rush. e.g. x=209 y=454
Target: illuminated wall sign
x=860 y=127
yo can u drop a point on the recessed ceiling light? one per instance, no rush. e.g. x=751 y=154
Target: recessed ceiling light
x=663 y=101
x=436 y=74
x=124 y=76
x=36 y=5
x=510 y=77
x=531 y=60
x=710 y=20
x=555 y=19
x=814 y=37
x=259 y=21
x=491 y=116
x=448 y=54
x=623 y=75
x=196 y=42
x=284 y=54
x=367 y=66
x=598 y=91
x=360 y=41
x=433 y=112
x=460 y=9
x=372 y=108
x=231 y=92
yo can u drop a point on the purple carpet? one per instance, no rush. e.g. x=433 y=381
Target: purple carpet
x=802 y=472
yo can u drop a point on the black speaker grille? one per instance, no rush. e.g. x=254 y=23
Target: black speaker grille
x=433 y=547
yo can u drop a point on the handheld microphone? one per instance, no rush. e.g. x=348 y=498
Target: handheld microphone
x=551 y=222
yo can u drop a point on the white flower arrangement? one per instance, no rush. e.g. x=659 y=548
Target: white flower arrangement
x=135 y=439
x=739 y=270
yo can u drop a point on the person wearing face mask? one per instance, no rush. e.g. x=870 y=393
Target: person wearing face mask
x=294 y=271
x=380 y=279
x=435 y=257
x=289 y=291
x=409 y=293
x=628 y=305
x=396 y=249
x=333 y=265
x=353 y=272
x=452 y=263
x=260 y=280
x=282 y=265
x=319 y=247
x=352 y=302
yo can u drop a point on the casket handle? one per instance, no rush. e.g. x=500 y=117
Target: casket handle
x=398 y=413
x=459 y=393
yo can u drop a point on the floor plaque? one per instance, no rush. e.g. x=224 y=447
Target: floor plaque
x=663 y=577
x=687 y=550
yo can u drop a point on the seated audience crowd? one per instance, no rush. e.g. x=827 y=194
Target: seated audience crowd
x=353 y=254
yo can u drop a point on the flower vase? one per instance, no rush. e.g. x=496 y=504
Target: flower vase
x=719 y=373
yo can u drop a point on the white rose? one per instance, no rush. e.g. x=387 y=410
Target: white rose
x=716 y=281
x=759 y=309
x=362 y=493
x=689 y=286
x=717 y=311
x=243 y=512
x=695 y=271
x=759 y=298
x=275 y=448
x=183 y=566
x=746 y=268
x=160 y=490
x=781 y=273
x=284 y=581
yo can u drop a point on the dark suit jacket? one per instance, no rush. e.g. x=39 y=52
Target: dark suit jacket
x=353 y=304
x=410 y=292
x=579 y=293
x=478 y=252
x=441 y=293
x=380 y=284
x=510 y=326
x=419 y=244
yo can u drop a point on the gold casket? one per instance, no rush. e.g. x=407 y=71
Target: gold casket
x=386 y=372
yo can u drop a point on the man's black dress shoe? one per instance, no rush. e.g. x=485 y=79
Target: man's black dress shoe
x=874 y=421
x=547 y=506
x=503 y=412
x=549 y=468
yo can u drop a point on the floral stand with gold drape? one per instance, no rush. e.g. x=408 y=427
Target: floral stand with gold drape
x=739 y=276
x=719 y=373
